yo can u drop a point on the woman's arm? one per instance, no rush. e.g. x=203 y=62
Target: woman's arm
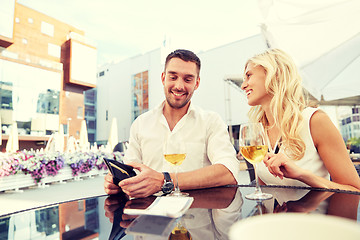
x=332 y=150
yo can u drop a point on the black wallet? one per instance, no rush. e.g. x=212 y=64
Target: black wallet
x=118 y=232
x=119 y=170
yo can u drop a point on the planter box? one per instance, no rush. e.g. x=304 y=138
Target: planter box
x=93 y=172
x=63 y=175
x=15 y=182
x=20 y=180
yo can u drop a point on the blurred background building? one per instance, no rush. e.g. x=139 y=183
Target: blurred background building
x=45 y=66
x=49 y=76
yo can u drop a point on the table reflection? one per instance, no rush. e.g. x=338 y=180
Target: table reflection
x=210 y=216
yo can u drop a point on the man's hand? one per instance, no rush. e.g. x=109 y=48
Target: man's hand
x=109 y=186
x=111 y=204
x=146 y=183
x=113 y=207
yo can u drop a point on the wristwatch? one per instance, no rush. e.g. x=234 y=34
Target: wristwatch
x=168 y=185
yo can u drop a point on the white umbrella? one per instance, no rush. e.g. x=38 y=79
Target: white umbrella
x=0 y=132
x=9 y=142
x=13 y=140
x=50 y=145
x=59 y=143
x=83 y=142
x=71 y=145
x=113 y=136
x=323 y=37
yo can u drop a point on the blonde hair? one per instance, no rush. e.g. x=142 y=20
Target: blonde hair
x=283 y=83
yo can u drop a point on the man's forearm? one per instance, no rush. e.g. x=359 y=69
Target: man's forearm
x=210 y=176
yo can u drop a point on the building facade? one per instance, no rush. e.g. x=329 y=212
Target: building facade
x=45 y=66
x=350 y=124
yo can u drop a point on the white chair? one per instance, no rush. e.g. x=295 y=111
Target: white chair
x=295 y=226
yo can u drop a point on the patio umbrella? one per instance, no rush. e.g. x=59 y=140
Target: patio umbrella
x=113 y=136
x=0 y=132
x=60 y=142
x=323 y=37
x=83 y=141
x=71 y=145
x=9 y=142
x=13 y=140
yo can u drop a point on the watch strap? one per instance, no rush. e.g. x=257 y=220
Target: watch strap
x=168 y=184
x=167 y=177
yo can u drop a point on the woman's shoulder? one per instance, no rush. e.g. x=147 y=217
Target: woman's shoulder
x=309 y=111
x=321 y=126
x=317 y=116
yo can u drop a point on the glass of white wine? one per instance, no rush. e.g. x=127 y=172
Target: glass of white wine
x=253 y=148
x=175 y=154
x=180 y=232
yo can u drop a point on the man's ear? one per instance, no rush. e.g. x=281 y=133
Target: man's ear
x=163 y=78
x=197 y=83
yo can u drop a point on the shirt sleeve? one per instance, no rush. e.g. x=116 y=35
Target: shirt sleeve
x=133 y=152
x=220 y=149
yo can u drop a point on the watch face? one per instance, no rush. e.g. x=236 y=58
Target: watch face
x=168 y=187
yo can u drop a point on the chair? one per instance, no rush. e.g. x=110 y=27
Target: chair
x=296 y=226
x=120 y=147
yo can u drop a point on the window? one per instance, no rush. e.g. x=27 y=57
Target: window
x=47 y=29
x=31 y=98
x=54 y=50
x=24 y=41
x=140 y=94
x=48 y=102
x=30 y=20
x=6 y=95
x=102 y=73
x=92 y=124
x=80 y=112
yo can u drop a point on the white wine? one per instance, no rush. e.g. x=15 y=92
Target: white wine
x=254 y=154
x=175 y=159
x=180 y=233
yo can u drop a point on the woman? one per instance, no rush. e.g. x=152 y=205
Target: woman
x=305 y=147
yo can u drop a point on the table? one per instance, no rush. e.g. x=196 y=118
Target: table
x=211 y=215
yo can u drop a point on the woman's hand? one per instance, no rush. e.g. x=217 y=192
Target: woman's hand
x=281 y=166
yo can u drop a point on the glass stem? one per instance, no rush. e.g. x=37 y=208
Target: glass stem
x=257 y=186
x=177 y=189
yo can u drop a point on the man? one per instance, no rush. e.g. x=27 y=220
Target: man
x=210 y=157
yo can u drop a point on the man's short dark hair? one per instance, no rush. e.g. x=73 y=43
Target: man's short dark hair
x=185 y=55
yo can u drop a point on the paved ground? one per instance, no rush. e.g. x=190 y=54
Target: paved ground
x=71 y=190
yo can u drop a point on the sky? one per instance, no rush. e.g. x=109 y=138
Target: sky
x=122 y=29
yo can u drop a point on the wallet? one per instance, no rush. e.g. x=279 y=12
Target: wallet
x=118 y=232
x=119 y=170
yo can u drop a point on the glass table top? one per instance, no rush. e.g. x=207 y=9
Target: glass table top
x=210 y=216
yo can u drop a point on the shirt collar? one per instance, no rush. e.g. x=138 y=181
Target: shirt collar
x=160 y=107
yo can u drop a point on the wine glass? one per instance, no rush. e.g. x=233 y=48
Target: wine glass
x=253 y=149
x=175 y=154
x=180 y=232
